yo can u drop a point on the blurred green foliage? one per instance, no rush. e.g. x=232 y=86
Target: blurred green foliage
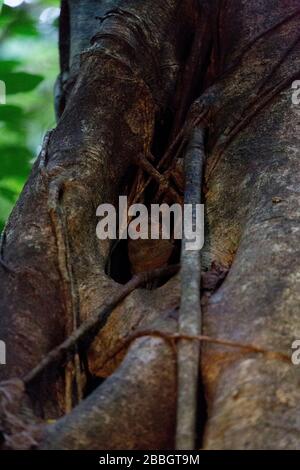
x=28 y=67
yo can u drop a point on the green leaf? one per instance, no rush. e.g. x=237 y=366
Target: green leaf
x=20 y=82
x=24 y=27
x=14 y=185
x=17 y=22
x=8 y=194
x=10 y=189
x=8 y=65
x=14 y=161
x=5 y=209
x=7 y=15
x=11 y=115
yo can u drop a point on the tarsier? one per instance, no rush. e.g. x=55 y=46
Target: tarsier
x=141 y=84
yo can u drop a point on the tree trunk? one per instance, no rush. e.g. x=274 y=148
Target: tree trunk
x=135 y=76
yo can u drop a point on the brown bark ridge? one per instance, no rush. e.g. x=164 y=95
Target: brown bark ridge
x=127 y=82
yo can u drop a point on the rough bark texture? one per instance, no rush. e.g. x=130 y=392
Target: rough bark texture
x=128 y=94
